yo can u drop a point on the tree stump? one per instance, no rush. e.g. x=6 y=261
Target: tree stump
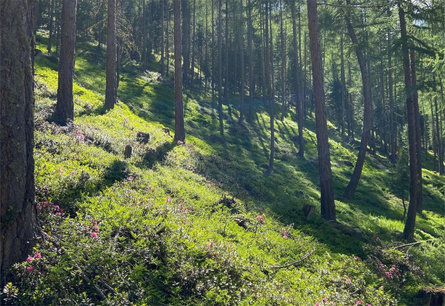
x=143 y=137
x=431 y=296
x=128 y=151
x=308 y=210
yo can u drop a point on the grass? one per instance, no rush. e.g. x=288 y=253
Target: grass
x=168 y=236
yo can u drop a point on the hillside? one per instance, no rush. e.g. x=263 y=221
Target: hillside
x=201 y=223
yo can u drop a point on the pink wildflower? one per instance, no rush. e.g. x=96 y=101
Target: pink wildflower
x=358 y=303
x=317 y=304
x=260 y=218
x=39 y=207
x=150 y=187
x=38 y=256
x=46 y=203
x=29 y=269
x=381 y=287
x=58 y=213
x=30 y=259
x=348 y=280
x=73 y=172
x=284 y=233
x=94 y=235
x=130 y=178
x=324 y=300
x=57 y=207
x=94 y=222
x=96 y=228
x=231 y=244
x=169 y=199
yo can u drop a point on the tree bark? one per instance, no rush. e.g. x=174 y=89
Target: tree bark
x=324 y=160
x=220 y=68
x=17 y=211
x=50 y=27
x=163 y=37
x=65 y=106
x=392 y=121
x=367 y=110
x=408 y=231
x=179 y=108
x=241 y=46
x=111 y=83
x=300 y=83
x=250 y=51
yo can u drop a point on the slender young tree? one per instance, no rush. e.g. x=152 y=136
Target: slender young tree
x=300 y=83
x=179 y=108
x=367 y=109
x=17 y=211
x=250 y=52
x=111 y=78
x=220 y=68
x=65 y=105
x=324 y=159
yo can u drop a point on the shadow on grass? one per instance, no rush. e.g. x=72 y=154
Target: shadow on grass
x=78 y=191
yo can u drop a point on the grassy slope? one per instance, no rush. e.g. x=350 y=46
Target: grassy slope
x=165 y=238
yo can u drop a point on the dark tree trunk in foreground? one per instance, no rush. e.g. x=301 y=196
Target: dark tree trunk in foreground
x=17 y=212
x=324 y=159
x=367 y=111
x=65 y=105
x=111 y=82
x=179 y=108
x=408 y=232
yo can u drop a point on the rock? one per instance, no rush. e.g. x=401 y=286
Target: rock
x=433 y=296
x=143 y=137
x=128 y=151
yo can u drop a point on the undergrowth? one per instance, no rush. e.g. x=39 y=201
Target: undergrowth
x=201 y=223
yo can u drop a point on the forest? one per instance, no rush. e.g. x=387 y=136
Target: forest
x=222 y=152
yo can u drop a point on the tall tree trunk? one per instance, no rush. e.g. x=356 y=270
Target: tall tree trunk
x=220 y=68
x=226 y=55
x=192 y=72
x=392 y=122
x=300 y=83
x=367 y=110
x=65 y=105
x=408 y=232
x=250 y=51
x=344 y=91
x=185 y=8
x=241 y=46
x=179 y=108
x=418 y=146
x=50 y=27
x=17 y=211
x=111 y=90
x=163 y=37
x=269 y=84
x=439 y=136
x=283 y=63
x=167 y=41
x=324 y=159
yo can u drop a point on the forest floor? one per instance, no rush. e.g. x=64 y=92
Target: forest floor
x=201 y=222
